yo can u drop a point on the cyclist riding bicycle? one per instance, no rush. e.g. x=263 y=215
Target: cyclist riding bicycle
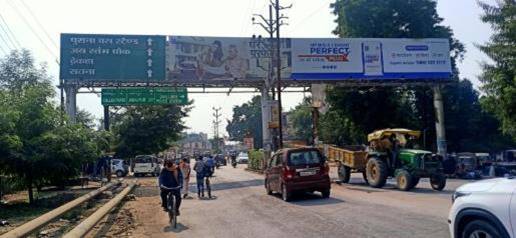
x=170 y=182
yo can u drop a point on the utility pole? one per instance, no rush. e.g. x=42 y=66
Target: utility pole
x=271 y=26
x=216 y=124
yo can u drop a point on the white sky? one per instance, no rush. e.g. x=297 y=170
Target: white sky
x=308 y=18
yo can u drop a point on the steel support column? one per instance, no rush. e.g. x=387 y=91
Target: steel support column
x=71 y=101
x=439 y=121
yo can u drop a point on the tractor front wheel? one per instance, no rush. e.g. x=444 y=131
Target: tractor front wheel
x=438 y=181
x=404 y=180
x=377 y=172
x=344 y=173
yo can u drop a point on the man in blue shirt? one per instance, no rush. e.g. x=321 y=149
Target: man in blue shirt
x=170 y=181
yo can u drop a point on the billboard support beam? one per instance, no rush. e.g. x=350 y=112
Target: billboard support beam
x=106 y=118
x=71 y=101
x=439 y=121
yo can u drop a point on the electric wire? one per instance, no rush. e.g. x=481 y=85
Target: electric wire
x=2 y=49
x=8 y=37
x=5 y=42
x=39 y=23
x=10 y=32
x=34 y=31
x=309 y=16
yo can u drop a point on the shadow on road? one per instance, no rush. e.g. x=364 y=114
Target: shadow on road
x=311 y=199
x=228 y=185
x=363 y=187
x=180 y=228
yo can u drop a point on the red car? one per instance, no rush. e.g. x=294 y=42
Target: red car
x=300 y=169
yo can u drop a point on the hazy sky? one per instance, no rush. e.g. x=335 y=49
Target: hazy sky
x=308 y=18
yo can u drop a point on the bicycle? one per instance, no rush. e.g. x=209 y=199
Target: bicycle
x=171 y=205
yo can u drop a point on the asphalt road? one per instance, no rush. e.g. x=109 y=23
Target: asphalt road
x=243 y=209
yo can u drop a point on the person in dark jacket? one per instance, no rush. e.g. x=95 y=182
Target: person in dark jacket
x=170 y=177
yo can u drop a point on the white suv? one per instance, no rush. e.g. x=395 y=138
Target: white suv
x=484 y=209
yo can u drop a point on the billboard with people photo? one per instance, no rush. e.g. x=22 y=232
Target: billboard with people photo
x=205 y=59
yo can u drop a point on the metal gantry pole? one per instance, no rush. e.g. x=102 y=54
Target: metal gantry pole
x=439 y=121
x=71 y=101
x=106 y=118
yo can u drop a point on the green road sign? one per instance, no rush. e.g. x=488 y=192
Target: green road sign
x=143 y=96
x=112 y=57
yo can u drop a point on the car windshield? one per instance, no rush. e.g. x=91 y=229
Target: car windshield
x=143 y=159
x=304 y=158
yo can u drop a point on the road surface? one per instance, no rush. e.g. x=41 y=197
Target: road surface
x=243 y=209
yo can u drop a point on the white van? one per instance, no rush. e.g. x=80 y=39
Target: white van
x=146 y=164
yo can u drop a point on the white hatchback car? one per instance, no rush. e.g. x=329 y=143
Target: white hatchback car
x=484 y=209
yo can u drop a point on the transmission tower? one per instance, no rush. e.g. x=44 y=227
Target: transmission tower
x=216 y=125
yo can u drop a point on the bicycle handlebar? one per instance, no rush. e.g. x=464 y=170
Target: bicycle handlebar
x=167 y=188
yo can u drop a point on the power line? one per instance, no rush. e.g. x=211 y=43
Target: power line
x=39 y=23
x=299 y=23
x=2 y=49
x=5 y=42
x=10 y=32
x=216 y=125
x=7 y=36
x=34 y=31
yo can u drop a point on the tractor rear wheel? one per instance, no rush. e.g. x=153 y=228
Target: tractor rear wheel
x=438 y=181
x=404 y=180
x=344 y=173
x=377 y=172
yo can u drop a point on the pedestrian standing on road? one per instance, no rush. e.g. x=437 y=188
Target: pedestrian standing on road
x=209 y=168
x=199 y=170
x=185 y=170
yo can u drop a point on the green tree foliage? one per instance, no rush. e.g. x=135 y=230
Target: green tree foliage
x=35 y=147
x=354 y=112
x=301 y=119
x=247 y=120
x=468 y=127
x=148 y=129
x=499 y=77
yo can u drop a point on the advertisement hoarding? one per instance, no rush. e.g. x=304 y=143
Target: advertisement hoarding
x=237 y=60
x=218 y=59
x=356 y=58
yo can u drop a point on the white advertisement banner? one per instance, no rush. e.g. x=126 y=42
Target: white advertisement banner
x=356 y=58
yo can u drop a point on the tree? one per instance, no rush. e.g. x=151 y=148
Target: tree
x=36 y=147
x=147 y=129
x=247 y=120
x=468 y=127
x=301 y=118
x=499 y=77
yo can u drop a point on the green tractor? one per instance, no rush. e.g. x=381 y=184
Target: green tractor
x=389 y=156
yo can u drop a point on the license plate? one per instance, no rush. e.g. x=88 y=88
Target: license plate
x=307 y=173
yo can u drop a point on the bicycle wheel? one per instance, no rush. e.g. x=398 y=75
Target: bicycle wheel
x=171 y=210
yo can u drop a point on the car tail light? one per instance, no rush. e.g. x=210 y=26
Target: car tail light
x=289 y=173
